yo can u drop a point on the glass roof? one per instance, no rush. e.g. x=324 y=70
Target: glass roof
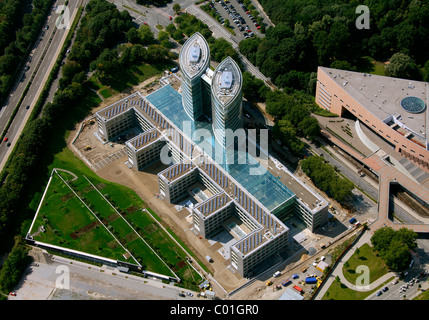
x=413 y=104
x=265 y=187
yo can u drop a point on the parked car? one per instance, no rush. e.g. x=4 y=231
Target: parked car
x=379 y=293
x=181 y=294
x=12 y=293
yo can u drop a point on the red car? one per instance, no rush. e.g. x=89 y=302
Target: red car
x=12 y=294
x=171 y=18
x=5 y=139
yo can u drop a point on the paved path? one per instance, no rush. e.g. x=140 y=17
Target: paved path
x=388 y=174
x=338 y=271
x=220 y=32
x=69 y=172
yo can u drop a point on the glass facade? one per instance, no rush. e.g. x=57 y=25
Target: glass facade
x=265 y=187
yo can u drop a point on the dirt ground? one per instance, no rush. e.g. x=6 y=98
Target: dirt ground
x=109 y=161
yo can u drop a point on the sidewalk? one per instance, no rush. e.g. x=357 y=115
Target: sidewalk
x=338 y=271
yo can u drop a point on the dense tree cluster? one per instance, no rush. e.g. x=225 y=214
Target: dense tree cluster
x=187 y=25
x=102 y=26
x=14 y=266
x=18 y=31
x=325 y=178
x=311 y=33
x=394 y=246
x=292 y=113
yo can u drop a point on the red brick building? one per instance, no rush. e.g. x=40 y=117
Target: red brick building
x=395 y=109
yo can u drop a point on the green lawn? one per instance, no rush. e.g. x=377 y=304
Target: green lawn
x=66 y=214
x=379 y=68
x=339 y=291
x=128 y=77
x=423 y=296
x=367 y=257
x=62 y=214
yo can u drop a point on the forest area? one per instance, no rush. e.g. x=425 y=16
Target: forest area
x=312 y=33
x=18 y=29
x=106 y=41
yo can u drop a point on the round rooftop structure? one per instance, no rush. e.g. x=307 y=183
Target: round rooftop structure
x=413 y=104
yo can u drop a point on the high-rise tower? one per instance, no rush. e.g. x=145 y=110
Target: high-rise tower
x=226 y=89
x=194 y=59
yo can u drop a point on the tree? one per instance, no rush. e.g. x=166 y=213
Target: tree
x=14 y=266
x=403 y=66
x=133 y=36
x=310 y=128
x=176 y=8
x=146 y=34
x=394 y=246
x=426 y=72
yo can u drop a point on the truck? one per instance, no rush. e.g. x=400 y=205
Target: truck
x=286 y=282
x=277 y=274
x=311 y=280
x=297 y=288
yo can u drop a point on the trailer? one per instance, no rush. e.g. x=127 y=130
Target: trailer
x=286 y=282
x=298 y=289
x=311 y=280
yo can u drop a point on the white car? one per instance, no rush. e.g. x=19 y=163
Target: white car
x=314 y=263
x=190 y=294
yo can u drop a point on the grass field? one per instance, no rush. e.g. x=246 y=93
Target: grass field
x=366 y=256
x=128 y=77
x=339 y=291
x=380 y=68
x=70 y=224
x=62 y=214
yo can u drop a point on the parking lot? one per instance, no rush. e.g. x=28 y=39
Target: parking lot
x=240 y=18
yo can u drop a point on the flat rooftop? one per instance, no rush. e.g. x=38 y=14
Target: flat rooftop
x=266 y=188
x=120 y=106
x=227 y=81
x=382 y=96
x=144 y=139
x=194 y=55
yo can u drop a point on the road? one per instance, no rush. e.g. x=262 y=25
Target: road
x=151 y=15
x=161 y=16
x=40 y=62
x=220 y=32
x=350 y=172
x=57 y=278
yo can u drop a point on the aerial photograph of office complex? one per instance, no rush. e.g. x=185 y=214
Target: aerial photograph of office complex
x=191 y=151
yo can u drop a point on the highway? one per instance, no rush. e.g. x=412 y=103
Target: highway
x=40 y=62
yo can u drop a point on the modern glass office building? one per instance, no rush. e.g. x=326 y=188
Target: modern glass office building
x=227 y=100
x=259 y=201
x=194 y=59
